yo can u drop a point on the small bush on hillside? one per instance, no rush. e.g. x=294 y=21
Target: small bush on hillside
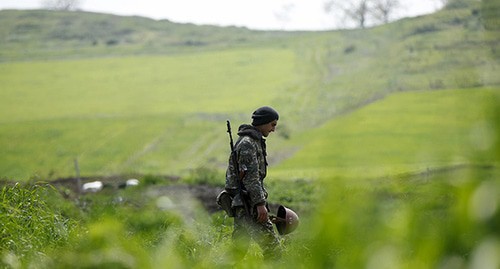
x=456 y=4
x=424 y=29
x=349 y=49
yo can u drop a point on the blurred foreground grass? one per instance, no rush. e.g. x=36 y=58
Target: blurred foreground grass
x=437 y=220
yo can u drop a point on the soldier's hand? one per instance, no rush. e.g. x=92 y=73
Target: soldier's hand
x=262 y=213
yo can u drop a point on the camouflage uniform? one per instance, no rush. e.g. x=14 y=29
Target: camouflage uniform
x=251 y=150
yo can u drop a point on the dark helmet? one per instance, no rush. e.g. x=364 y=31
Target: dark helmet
x=224 y=200
x=287 y=220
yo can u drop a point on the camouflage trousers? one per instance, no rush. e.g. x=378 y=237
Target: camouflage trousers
x=262 y=233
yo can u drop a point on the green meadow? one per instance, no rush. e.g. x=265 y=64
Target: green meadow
x=404 y=133
x=161 y=114
x=387 y=145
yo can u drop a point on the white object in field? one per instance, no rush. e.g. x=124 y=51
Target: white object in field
x=132 y=182
x=94 y=186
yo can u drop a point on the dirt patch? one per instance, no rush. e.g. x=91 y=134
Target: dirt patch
x=168 y=185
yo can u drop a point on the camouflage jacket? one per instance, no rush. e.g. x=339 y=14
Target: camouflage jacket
x=251 y=151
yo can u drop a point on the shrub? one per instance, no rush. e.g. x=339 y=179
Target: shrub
x=457 y=4
x=424 y=29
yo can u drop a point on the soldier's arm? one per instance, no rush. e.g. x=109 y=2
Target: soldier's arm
x=248 y=161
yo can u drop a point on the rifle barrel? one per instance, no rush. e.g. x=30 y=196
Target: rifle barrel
x=239 y=174
x=231 y=143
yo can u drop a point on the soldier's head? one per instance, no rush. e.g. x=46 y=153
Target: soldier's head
x=265 y=119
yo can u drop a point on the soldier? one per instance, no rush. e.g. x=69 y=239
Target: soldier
x=246 y=186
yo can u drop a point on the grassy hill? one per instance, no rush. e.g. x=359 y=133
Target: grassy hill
x=42 y=34
x=133 y=95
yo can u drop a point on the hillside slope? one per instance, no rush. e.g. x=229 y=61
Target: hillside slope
x=43 y=34
x=450 y=49
x=405 y=133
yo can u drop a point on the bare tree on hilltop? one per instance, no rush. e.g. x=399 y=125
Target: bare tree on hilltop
x=362 y=11
x=383 y=9
x=61 y=4
x=354 y=10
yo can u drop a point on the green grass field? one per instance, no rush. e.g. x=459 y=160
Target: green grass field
x=165 y=114
x=131 y=114
x=404 y=133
